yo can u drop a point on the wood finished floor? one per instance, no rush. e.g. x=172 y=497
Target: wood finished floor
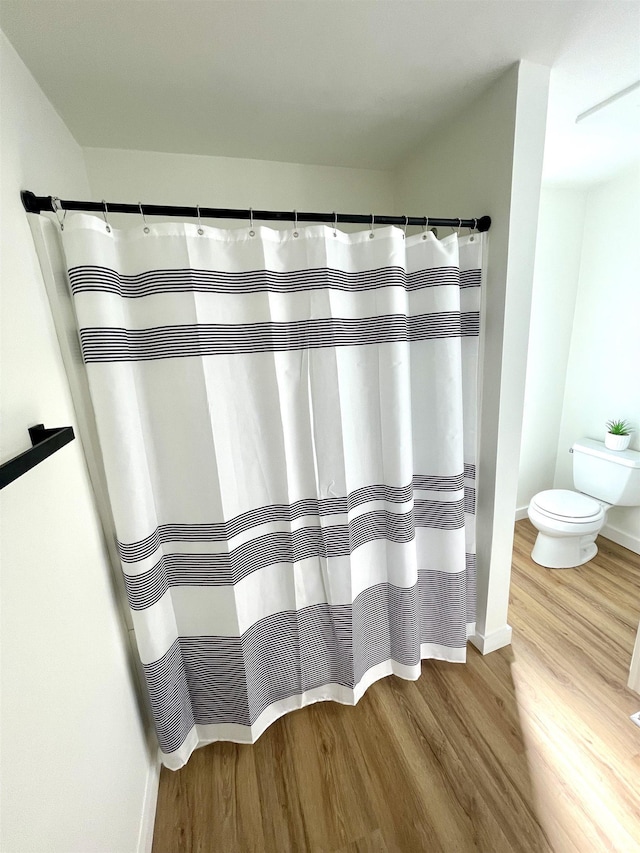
x=527 y=749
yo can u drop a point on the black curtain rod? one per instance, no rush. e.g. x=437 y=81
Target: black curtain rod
x=39 y=203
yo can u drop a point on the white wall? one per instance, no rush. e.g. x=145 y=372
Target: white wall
x=603 y=371
x=489 y=161
x=74 y=758
x=555 y=284
x=148 y=176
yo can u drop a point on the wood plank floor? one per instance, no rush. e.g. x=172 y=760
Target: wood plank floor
x=527 y=749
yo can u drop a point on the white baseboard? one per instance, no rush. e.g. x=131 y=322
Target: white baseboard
x=148 y=818
x=521 y=512
x=621 y=538
x=487 y=643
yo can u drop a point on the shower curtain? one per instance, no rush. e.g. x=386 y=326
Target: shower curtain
x=288 y=426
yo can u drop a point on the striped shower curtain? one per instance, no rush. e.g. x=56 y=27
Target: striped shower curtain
x=287 y=420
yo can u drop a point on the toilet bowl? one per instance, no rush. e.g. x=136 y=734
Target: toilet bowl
x=568 y=523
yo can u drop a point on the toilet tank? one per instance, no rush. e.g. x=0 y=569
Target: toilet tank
x=609 y=475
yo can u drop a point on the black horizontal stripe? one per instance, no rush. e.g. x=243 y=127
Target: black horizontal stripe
x=471 y=278
x=470 y=560
x=131 y=552
x=469 y=500
x=118 y=344
x=91 y=279
x=211 y=680
x=436 y=483
x=470 y=324
x=338 y=540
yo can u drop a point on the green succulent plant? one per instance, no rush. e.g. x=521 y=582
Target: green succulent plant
x=619 y=427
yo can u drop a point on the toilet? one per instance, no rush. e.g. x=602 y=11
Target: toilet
x=569 y=521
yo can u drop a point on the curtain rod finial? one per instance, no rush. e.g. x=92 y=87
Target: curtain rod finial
x=33 y=203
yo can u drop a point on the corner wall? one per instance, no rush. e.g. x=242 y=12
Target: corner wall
x=603 y=370
x=75 y=765
x=555 y=287
x=157 y=178
x=489 y=161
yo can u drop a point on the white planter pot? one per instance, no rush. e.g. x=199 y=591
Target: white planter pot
x=616 y=442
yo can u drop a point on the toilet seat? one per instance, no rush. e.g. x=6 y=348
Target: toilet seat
x=566 y=506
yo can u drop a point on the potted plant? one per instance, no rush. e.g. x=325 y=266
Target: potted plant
x=618 y=435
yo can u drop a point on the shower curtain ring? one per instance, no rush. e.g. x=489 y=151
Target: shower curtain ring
x=252 y=233
x=200 y=228
x=426 y=227
x=106 y=210
x=406 y=222
x=144 y=219
x=471 y=230
x=373 y=222
x=457 y=230
x=335 y=224
x=295 y=223
x=57 y=206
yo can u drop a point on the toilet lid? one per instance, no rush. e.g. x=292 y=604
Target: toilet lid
x=563 y=503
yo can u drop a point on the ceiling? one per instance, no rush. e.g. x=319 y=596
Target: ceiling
x=338 y=83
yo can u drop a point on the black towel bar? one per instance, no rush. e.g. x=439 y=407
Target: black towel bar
x=45 y=442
